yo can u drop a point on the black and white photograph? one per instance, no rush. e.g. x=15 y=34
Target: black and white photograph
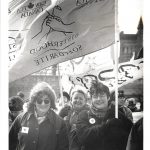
x=75 y=75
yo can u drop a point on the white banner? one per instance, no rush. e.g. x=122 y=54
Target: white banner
x=21 y=15
x=128 y=72
x=65 y=31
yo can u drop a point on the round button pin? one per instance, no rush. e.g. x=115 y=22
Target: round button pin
x=92 y=121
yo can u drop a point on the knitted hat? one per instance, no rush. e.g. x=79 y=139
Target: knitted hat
x=15 y=103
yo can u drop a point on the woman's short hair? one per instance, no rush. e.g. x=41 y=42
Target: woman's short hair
x=98 y=87
x=40 y=88
x=78 y=91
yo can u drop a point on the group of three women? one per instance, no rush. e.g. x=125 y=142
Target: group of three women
x=85 y=127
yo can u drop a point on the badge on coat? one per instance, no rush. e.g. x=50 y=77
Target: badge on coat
x=25 y=130
x=92 y=120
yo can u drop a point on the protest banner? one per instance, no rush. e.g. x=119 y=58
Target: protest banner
x=65 y=30
x=128 y=72
x=21 y=15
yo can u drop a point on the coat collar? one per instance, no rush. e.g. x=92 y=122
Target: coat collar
x=50 y=116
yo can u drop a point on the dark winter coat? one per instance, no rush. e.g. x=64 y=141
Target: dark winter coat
x=109 y=133
x=26 y=134
x=135 y=139
x=71 y=120
x=64 y=111
x=72 y=117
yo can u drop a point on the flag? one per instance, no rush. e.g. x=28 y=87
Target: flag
x=23 y=12
x=128 y=72
x=21 y=15
x=65 y=30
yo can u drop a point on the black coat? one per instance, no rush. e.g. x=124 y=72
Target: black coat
x=26 y=134
x=65 y=111
x=135 y=139
x=108 y=133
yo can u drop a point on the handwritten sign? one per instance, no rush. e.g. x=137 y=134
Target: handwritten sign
x=127 y=73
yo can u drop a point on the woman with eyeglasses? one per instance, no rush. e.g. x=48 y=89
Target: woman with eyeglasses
x=40 y=128
x=97 y=128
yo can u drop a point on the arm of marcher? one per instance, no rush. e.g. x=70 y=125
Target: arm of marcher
x=62 y=141
x=13 y=133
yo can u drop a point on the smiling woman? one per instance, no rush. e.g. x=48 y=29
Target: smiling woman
x=98 y=126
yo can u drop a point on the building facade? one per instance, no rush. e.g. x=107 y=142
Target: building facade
x=131 y=46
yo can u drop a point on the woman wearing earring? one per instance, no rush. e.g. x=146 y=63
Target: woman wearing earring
x=40 y=128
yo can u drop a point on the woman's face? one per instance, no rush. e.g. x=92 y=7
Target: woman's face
x=78 y=100
x=42 y=104
x=100 y=101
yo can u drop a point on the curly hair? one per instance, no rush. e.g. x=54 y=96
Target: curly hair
x=37 y=90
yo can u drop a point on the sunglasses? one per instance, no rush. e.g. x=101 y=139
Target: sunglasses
x=39 y=101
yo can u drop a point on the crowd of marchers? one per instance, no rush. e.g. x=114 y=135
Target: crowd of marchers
x=36 y=124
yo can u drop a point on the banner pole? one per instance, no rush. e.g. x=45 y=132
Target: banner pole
x=116 y=58
x=60 y=85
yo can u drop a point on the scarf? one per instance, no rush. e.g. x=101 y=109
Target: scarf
x=100 y=113
x=40 y=119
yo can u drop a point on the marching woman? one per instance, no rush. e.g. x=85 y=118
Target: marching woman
x=78 y=104
x=97 y=128
x=40 y=128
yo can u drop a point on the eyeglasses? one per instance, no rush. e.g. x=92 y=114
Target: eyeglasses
x=39 y=101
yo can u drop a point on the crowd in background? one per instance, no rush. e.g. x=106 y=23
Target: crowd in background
x=78 y=121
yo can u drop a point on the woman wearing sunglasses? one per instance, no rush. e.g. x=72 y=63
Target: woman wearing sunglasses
x=40 y=128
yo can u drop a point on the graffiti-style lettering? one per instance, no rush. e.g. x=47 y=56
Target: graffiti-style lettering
x=105 y=72
x=126 y=74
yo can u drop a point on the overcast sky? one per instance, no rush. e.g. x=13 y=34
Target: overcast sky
x=129 y=12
